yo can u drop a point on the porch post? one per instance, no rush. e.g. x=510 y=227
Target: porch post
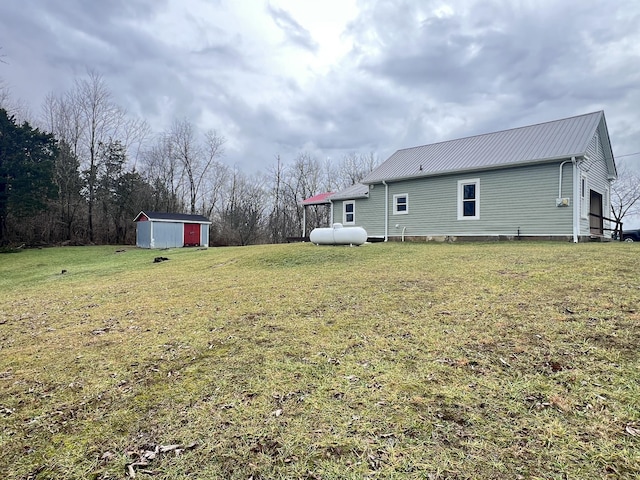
x=304 y=221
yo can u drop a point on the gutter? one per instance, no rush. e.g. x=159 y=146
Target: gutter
x=501 y=166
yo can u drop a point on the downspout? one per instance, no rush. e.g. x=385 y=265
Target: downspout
x=576 y=200
x=386 y=211
x=560 y=179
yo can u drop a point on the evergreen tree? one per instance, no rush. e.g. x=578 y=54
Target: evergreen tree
x=27 y=160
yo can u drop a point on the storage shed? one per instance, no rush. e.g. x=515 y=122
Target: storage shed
x=169 y=230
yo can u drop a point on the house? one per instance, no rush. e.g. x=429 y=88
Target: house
x=547 y=181
x=168 y=230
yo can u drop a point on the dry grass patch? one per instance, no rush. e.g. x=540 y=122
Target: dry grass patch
x=508 y=360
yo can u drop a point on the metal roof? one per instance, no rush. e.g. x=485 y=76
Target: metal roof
x=172 y=217
x=320 y=199
x=354 y=191
x=532 y=144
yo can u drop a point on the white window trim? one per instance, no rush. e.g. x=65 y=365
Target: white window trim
x=461 y=184
x=344 y=212
x=395 y=204
x=584 y=213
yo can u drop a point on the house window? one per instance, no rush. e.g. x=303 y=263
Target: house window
x=400 y=204
x=583 y=196
x=349 y=212
x=469 y=199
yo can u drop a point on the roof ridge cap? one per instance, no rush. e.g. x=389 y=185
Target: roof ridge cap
x=498 y=131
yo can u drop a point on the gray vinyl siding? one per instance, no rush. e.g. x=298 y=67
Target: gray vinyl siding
x=369 y=213
x=143 y=234
x=167 y=235
x=204 y=235
x=509 y=199
x=596 y=172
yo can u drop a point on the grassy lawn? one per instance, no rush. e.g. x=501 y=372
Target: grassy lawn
x=434 y=361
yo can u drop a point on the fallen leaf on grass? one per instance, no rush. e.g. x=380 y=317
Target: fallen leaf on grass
x=107 y=456
x=168 y=448
x=147 y=455
x=504 y=362
x=5 y=411
x=633 y=430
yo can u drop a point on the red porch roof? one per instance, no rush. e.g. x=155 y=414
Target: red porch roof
x=320 y=199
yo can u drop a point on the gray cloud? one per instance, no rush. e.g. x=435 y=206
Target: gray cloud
x=295 y=32
x=497 y=65
x=412 y=76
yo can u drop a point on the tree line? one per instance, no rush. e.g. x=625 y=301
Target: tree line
x=84 y=168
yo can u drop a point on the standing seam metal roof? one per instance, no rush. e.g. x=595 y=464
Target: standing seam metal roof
x=354 y=191
x=319 y=199
x=535 y=143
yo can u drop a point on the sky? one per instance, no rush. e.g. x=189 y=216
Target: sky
x=329 y=77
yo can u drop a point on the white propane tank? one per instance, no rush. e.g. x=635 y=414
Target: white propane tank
x=338 y=235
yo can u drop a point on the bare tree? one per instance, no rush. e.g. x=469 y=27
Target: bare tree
x=102 y=121
x=84 y=118
x=4 y=95
x=303 y=180
x=163 y=173
x=242 y=218
x=61 y=115
x=187 y=152
x=277 y=221
x=17 y=108
x=305 y=177
x=213 y=174
x=354 y=167
x=198 y=160
x=625 y=194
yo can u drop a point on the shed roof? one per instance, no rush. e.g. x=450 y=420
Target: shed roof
x=354 y=191
x=320 y=199
x=172 y=217
x=538 y=143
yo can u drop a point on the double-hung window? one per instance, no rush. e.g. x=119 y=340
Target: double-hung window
x=469 y=199
x=400 y=204
x=349 y=212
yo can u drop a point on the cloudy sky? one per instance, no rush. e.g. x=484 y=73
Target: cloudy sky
x=335 y=76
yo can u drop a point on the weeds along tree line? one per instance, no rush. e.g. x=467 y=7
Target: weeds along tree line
x=80 y=171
